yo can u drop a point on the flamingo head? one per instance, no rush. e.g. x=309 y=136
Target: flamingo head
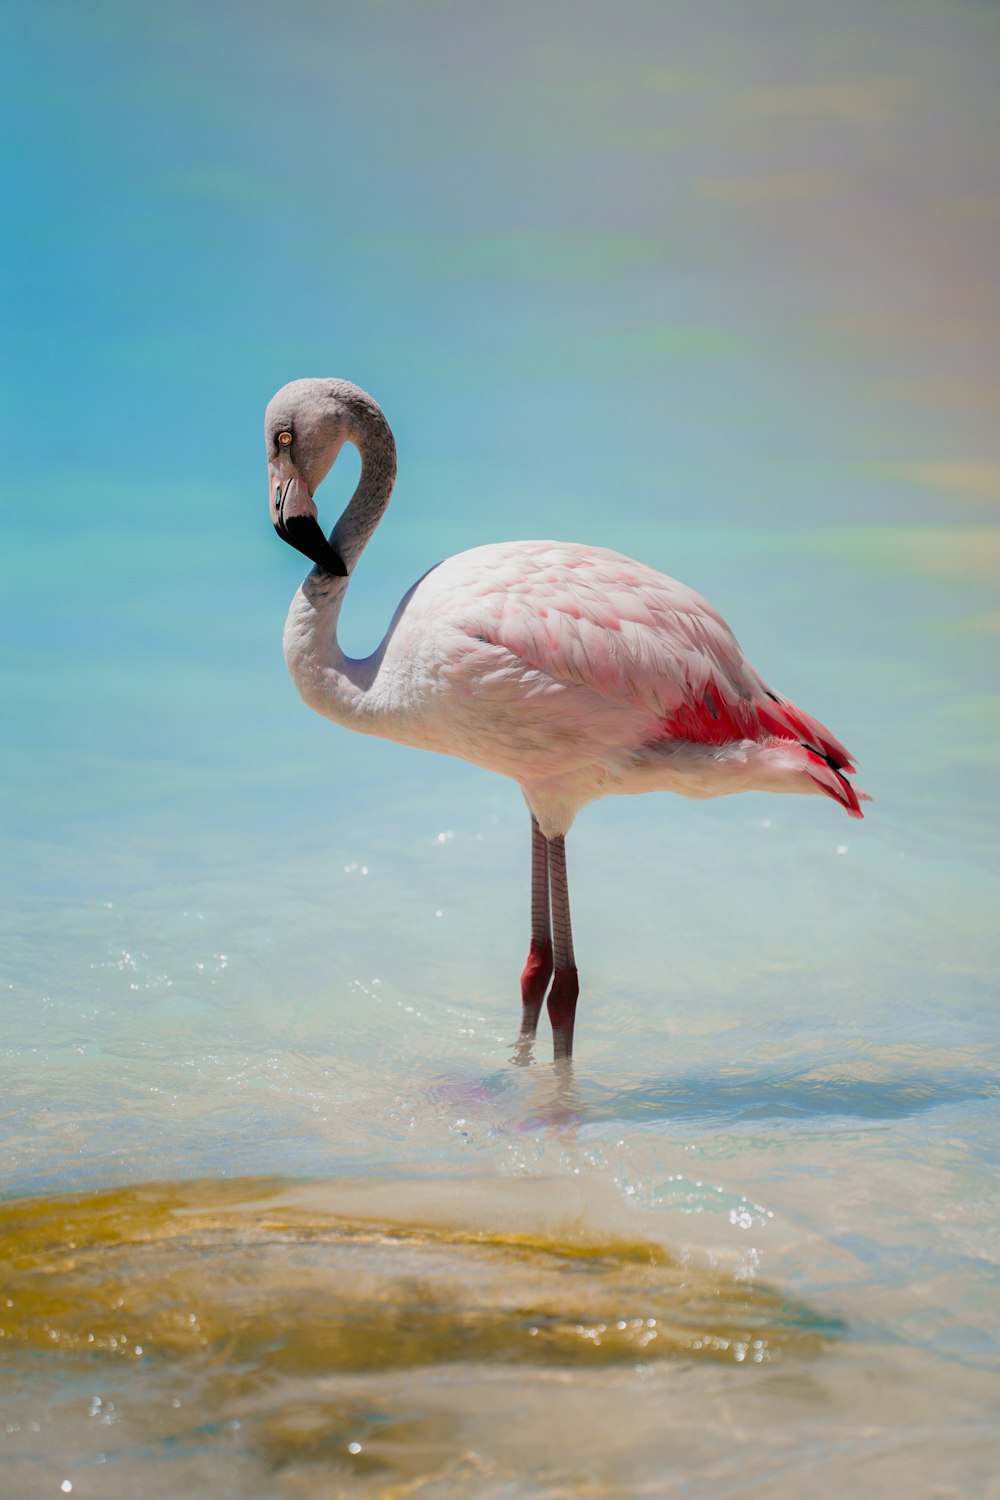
x=305 y=426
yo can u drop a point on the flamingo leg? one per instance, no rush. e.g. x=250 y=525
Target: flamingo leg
x=565 y=984
x=538 y=969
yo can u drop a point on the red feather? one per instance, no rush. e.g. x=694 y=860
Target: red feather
x=712 y=719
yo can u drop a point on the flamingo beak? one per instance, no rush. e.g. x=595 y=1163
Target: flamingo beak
x=295 y=518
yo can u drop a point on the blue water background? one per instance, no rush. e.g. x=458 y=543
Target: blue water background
x=715 y=287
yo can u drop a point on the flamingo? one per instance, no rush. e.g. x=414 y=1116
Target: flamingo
x=571 y=669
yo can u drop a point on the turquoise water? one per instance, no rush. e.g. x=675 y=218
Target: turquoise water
x=718 y=291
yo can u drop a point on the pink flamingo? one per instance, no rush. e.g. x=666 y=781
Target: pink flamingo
x=571 y=669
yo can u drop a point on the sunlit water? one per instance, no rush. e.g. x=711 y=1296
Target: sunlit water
x=282 y=1213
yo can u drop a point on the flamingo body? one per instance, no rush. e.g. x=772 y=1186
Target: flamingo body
x=573 y=670
x=577 y=672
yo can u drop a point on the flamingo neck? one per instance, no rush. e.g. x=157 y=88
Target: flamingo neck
x=371 y=435
x=333 y=684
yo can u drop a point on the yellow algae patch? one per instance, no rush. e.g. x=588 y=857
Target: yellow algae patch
x=264 y=1278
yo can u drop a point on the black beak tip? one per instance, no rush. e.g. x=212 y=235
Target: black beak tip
x=307 y=537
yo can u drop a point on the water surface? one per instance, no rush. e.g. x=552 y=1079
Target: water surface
x=719 y=291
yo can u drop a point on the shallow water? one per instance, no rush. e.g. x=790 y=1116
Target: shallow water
x=722 y=296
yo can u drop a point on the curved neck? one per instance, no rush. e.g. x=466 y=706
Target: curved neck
x=330 y=682
x=371 y=435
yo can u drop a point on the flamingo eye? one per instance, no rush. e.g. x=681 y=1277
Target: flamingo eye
x=284 y=438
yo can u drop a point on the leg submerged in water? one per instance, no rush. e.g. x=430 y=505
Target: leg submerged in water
x=538 y=968
x=565 y=983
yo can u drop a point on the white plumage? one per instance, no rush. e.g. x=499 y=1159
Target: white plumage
x=571 y=669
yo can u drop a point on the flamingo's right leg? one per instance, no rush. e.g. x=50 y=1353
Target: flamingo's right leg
x=565 y=984
x=538 y=969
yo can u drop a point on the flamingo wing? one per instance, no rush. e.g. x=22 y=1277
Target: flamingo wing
x=646 y=646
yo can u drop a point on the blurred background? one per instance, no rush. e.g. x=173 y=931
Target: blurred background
x=718 y=286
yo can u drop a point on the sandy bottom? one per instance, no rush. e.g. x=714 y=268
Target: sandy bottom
x=266 y=1338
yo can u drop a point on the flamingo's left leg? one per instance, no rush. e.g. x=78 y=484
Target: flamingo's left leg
x=565 y=984
x=538 y=969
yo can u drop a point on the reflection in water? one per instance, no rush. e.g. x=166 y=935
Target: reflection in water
x=553 y=1097
x=558 y=1097
x=806 y=1095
